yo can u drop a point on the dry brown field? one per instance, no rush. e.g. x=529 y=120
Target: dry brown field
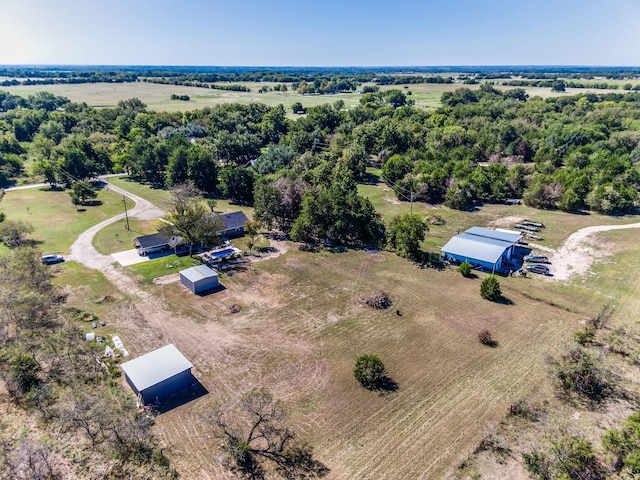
x=299 y=332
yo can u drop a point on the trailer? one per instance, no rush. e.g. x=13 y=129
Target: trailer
x=529 y=228
x=532 y=224
x=531 y=236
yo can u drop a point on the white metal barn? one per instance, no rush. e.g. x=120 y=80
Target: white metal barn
x=159 y=374
x=199 y=278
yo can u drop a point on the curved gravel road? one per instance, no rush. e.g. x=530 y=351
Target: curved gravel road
x=82 y=249
x=577 y=253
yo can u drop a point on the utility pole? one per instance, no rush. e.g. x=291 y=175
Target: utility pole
x=126 y=215
x=411 y=208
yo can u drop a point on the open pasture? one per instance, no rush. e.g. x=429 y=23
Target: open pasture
x=301 y=328
x=158 y=97
x=56 y=222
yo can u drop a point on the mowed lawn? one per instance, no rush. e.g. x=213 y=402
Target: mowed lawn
x=301 y=328
x=56 y=222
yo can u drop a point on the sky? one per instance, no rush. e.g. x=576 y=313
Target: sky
x=320 y=33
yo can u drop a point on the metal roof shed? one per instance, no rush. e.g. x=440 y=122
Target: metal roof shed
x=199 y=278
x=159 y=374
x=484 y=251
x=498 y=234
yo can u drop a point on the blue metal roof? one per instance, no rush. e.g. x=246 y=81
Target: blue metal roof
x=198 y=272
x=156 y=366
x=497 y=234
x=476 y=247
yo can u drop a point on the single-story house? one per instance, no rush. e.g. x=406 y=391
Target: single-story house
x=199 y=278
x=233 y=224
x=486 y=247
x=156 y=242
x=159 y=374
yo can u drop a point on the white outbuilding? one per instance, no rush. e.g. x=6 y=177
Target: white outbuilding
x=158 y=374
x=199 y=278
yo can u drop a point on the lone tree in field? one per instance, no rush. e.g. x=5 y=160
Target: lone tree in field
x=257 y=441
x=83 y=191
x=370 y=371
x=490 y=289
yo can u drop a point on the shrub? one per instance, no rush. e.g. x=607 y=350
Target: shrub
x=577 y=372
x=370 y=371
x=486 y=339
x=625 y=444
x=465 y=269
x=584 y=336
x=490 y=289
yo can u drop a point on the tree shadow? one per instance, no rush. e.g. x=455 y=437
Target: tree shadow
x=370 y=179
x=504 y=300
x=93 y=203
x=385 y=386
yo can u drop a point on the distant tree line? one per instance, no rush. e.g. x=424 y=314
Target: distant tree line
x=482 y=145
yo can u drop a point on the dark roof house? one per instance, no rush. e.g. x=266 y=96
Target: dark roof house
x=156 y=242
x=234 y=224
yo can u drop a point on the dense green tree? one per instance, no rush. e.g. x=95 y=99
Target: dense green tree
x=334 y=211
x=84 y=191
x=178 y=166
x=236 y=183
x=202 y=169
x=273 y=158
x=370 y=371
x=404 y=234
x=192 y=219
x=465 y=269
x=490 y=288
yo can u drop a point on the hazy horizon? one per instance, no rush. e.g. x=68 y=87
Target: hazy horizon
x=335 y=34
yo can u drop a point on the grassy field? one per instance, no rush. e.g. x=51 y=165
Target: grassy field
x=157 y=97
x=57 y=223
x=301 y=327
x=307 y=306
x=160 y=196
x=559 y=225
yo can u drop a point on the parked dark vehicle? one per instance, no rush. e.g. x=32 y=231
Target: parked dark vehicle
x=538 y=268
x=536 y=259
x=51 y=259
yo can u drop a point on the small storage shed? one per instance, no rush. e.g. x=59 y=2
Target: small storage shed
x=199 y=278
x=159 y=374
